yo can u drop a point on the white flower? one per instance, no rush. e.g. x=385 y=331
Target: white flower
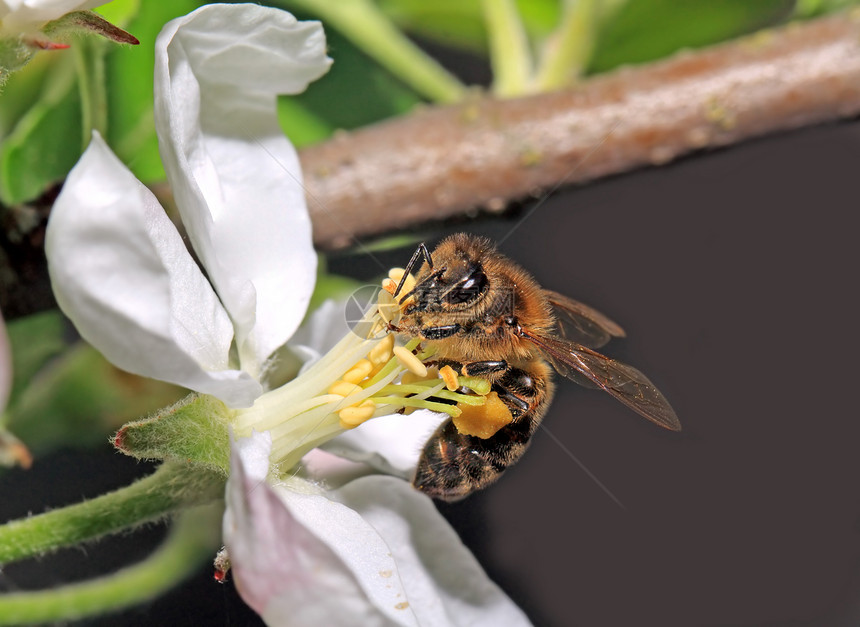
x=373 y=551
x=28 y=16
x=119 y=268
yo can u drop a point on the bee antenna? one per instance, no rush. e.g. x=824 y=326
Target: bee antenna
x=421 y=250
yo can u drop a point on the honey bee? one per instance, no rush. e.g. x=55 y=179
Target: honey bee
x=487 y=317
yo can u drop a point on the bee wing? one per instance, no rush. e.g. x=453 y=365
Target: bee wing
x=624 y=382
x=580 y=323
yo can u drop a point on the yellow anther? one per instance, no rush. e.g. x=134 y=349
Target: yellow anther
x=358 y=372
x=381 y=353
x=449 y=376
x=353 y=416
x=389 y=285
x=343 y=388
x=409 y=361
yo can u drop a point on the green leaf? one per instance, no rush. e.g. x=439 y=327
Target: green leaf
x=131 y=129
x=390 y=242
x=34 y=341
x=77 y=399
x=355 y=92
x=46 y=141
x=806 y=9
x=22 y=89
x=460 y=23
x=120 y=12
x=303 y=125
x=644 y=30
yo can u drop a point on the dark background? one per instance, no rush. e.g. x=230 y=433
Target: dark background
x=734 y=274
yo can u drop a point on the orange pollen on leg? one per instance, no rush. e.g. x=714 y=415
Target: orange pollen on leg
x=483 y=421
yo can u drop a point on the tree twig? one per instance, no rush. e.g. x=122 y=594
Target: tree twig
x=439 y=162
x=485 y=153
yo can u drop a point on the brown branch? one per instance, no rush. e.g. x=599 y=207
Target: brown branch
x=439 y=162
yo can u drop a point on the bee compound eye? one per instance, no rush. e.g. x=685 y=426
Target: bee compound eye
x=467 y=289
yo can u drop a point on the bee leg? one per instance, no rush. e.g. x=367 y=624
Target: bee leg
x=478 y=368
x=440 y=332
x=453 y=465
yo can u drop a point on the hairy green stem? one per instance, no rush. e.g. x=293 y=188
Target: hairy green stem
x=193 y=540
x=509 y=48
x=367 y=27
x=172 y=487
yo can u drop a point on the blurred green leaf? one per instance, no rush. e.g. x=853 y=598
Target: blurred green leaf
x=79 y=399
x=120 y=12
x=460 y=23
x=131 y=130
x=391 y=242
x=643 y=30
x=22 y=89
x=301 y=124
x=355 y=92
x=812 y=8
x=46 y=141
x=34 y=341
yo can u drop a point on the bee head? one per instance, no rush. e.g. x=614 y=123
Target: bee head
x=458 y=284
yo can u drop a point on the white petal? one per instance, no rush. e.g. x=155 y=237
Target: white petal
x=120 y=271
x=254 y=452
x=444 y=583
x=236 y=178
x=382 y=556
x=290 y=576
x=391 y=444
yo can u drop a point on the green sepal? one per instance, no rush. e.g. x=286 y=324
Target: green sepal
x=194 y=430
x=87 y=22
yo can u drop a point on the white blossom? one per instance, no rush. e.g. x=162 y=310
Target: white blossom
x=313 y=550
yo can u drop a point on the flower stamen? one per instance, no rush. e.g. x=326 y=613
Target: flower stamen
x=360 y=371
x=354 y=416
x=409 y=361
x=356 y=381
